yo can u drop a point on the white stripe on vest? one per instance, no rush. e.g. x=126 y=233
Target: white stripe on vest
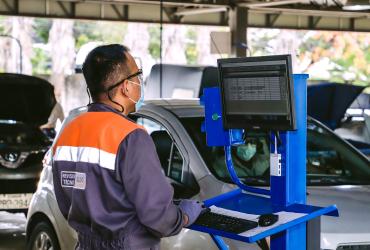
x=85 y=154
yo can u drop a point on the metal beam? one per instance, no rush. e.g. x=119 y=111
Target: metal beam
x=238 y=23
x=64 y=8
x=16 y=6
x=198 y=11
x=313 y=21
x=352 y=24
x=126 y=11
x=116 y=10
x=69 y=12
x=202 y=12
x=311 y=12
x=271 y=19
x=7 y=5
x=271 y=3
x=178 y=3
x=171 y=14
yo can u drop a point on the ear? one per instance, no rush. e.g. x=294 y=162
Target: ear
x=125 y=88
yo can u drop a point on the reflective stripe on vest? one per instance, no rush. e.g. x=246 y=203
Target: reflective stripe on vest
x=93 y=137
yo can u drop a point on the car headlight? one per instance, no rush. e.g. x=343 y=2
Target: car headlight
x=13 y=159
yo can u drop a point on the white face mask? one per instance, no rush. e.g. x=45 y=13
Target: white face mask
x=246 y=152
x=139 y=102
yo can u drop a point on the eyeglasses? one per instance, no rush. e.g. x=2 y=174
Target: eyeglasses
x=138 y=74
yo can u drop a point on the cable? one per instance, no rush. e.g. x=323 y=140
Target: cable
x=160 y=48
x=214 y=43
x=245 y=46
x=88 y=93
x=235 y=178
x=277 y=135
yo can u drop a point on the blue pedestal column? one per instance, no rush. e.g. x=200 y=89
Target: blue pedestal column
x=290 y=187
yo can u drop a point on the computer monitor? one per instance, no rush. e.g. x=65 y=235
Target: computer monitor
x=257 y=93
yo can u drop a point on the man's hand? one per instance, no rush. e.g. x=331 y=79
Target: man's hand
x=192 y=209
x=186 y=219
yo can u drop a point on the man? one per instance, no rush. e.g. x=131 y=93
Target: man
x=107 y=177
x=55 y=120
x=251 y=159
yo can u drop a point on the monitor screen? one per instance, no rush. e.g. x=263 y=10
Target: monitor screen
x=257 y=92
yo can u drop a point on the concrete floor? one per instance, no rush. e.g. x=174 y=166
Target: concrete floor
x=12 y=231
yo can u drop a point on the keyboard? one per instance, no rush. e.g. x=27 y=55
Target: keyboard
x=225 y=223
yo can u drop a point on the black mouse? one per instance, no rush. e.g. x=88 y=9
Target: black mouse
x=266 y=220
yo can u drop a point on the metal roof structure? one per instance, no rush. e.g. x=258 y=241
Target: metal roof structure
x=290 y=14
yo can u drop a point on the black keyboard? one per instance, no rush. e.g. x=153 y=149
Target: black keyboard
x=225 y=223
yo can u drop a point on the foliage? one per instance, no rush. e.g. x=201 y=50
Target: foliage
x=348 y=52
x=41 y=62
x=191 y=52
x=2 y=28
x=347 y=55
x=107 y=32
x=85 y=32
x=154 y=41
x=261 y=40
x=41 y=29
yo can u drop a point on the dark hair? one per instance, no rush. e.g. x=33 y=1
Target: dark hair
x=104 y=66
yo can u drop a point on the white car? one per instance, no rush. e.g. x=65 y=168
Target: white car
x=337 y=173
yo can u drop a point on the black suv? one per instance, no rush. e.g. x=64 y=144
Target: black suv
x=26 y=103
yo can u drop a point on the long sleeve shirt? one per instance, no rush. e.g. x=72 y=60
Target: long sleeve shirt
x=109 y=183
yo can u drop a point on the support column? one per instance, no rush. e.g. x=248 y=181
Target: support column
x=290 y=187
x=238 y=23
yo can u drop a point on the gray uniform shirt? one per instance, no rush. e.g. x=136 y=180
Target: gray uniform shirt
x=130 y=204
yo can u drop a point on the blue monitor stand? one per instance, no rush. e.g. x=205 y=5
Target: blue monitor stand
x=287 y=191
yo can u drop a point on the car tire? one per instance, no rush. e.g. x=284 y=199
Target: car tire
x=43 y=237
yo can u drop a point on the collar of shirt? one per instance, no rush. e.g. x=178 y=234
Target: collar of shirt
x=101 y=107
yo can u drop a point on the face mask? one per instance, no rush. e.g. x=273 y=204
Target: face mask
x=139 y=102
x=246 y=152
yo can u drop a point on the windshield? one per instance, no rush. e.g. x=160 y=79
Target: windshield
x=330 y=161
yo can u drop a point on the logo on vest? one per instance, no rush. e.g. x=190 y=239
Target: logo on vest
x=73 y=179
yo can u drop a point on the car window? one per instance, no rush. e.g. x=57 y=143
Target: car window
x=173 y=164
x=171 y=160
x=330 y=161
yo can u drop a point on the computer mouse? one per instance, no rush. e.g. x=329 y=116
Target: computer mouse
x=266 y=220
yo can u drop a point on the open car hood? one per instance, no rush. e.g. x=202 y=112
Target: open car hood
x=328 y=102
x=25 y=98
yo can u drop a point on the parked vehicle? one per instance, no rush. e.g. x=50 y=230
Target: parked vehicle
x=26 y=103
x=337 y=173
x=341 y=107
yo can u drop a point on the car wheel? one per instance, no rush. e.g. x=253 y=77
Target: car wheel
x=43 y=237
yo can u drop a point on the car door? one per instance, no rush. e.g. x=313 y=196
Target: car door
x=174 y=162
x=175 y=168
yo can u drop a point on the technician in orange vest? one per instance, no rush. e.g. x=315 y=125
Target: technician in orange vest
x=107 y=176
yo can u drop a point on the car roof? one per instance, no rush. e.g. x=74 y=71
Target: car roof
x=179 y=107
x=185 y=107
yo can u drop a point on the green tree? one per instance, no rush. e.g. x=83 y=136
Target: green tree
x=41 y=29
x=106 y=32
x=154 y=41
x=2 y=25
x=41 y=62
x=191 y=52
x=348 y=52
x=85 y=32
